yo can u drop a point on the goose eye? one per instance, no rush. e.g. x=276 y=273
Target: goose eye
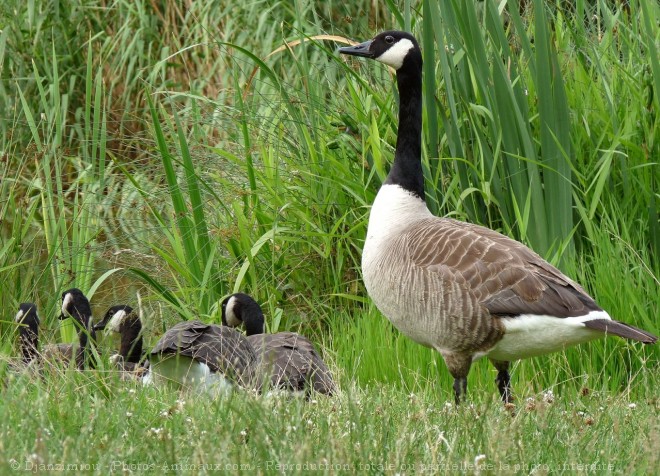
x=389 y=39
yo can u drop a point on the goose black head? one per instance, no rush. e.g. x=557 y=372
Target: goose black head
x=122 y=320
x=240 y=309
x=76 y=305
x=398 y=49
x=118 y=319
x=27 y=317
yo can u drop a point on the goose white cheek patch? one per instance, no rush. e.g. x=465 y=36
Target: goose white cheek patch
x=396 y=54
x=230 y=315
x=19 y=316
x=66 y=302
x=115 y=322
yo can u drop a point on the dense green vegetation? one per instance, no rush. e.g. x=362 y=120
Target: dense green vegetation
x=182 y=151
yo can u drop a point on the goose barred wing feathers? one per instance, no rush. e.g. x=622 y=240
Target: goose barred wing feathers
x=292 y=362
x=493 y=271
x=223 y=349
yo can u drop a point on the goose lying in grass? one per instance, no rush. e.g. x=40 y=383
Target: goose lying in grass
x=204 y=356
x=286 y=360
x=28 y=320
x=122 y=320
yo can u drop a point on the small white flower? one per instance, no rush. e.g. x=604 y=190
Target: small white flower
x=580 y=413
x=548 y=396
x=479 y=459
x=632 y=405
x=129 y=414
x=244 y=433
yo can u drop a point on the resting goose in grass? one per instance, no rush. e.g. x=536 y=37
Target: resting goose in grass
x=76 y=306
x=205 y=356
x=122 y=320
x=287 y=359
x=462 y=289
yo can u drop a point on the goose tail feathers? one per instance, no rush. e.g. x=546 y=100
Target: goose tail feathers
x=622 y=330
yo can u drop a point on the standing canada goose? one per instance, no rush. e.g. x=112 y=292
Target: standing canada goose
x=462 y=289
x=207 y=356
x=28 y=320
x=122 y=320
x=287 y=359
x=76 y=306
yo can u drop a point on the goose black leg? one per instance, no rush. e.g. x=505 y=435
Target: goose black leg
x=503 y=380
x=460 y=389
x=459 y=367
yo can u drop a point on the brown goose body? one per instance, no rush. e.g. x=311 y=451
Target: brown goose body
x=53 y=354
x=207 y=352
x=290 y=361
x=459 y=288
x=59 y=353
x=285 y=360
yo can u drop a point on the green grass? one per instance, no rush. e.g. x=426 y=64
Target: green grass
x=114 y=426
x=185 y=153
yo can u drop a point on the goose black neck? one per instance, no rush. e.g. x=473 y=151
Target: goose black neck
x=253 y=319
x=131 y=342
x=407 y=168
x=85 y=334
x=29 y=337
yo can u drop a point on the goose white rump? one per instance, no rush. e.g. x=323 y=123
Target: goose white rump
x=531 y=335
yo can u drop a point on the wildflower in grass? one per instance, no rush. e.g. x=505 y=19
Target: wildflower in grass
x=632 y=405
x=548 y=396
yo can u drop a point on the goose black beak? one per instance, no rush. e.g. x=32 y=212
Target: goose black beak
x=100 y=326
x=358 y=50
x=62 y=317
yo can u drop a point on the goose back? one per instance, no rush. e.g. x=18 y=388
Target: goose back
x=224 y=350
x=290 y=361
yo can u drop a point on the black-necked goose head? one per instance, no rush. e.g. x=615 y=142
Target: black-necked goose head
x=398 y=49
x=76 y=305
x=122 y=320
x=28 y=321
x=241 y=310
x=285 y=360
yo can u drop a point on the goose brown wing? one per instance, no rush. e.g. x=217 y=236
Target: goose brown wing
x=223 y=349
x=501 y=274
x=292 y=362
